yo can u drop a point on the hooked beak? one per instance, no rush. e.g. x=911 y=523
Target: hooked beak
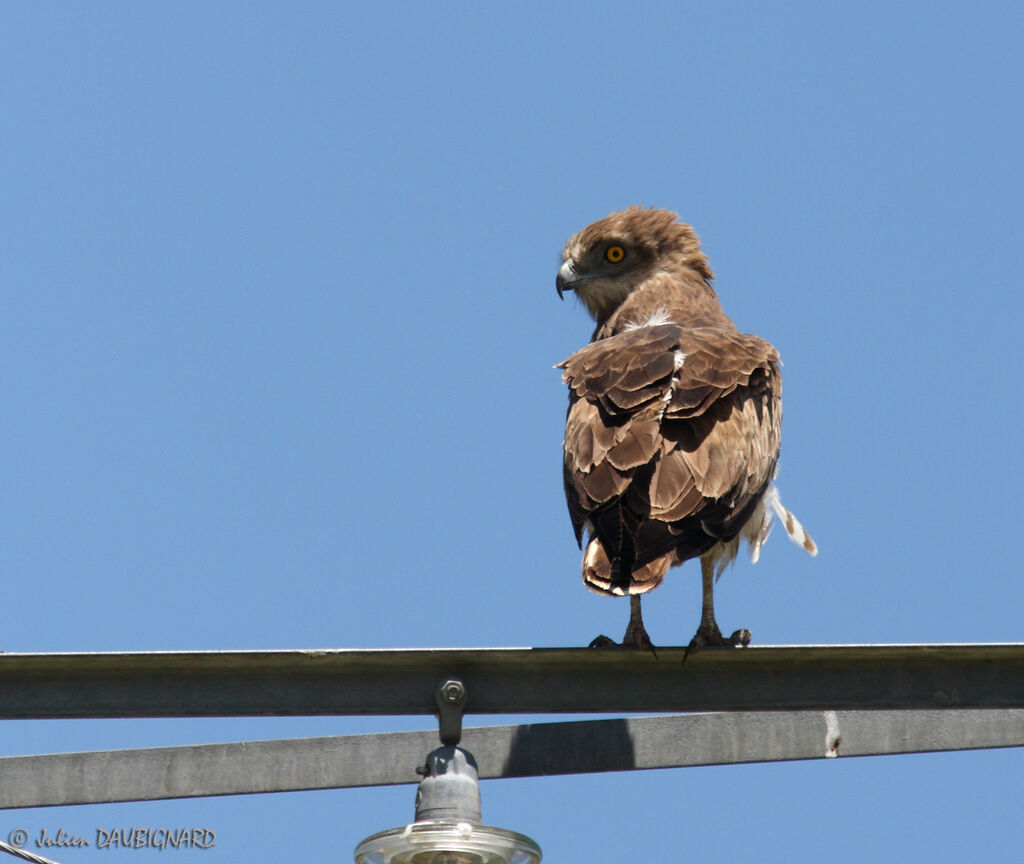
x=567 y=278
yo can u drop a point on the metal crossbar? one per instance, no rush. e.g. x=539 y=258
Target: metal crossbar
x=510 y=681
x=853 y=700
x=501 y=751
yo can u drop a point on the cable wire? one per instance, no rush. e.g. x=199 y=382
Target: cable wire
x=24 y=853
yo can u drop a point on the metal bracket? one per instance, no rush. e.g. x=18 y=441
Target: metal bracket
x=450 y=697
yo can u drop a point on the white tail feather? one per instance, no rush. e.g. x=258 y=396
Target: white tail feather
x=792 y=525
x=756 y=531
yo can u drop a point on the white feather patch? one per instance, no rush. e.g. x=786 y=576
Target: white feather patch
x=756 y=531
x=792 y=525
x=678 y=358
x=658 y=316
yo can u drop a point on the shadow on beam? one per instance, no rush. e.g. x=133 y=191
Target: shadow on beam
x=501 y=751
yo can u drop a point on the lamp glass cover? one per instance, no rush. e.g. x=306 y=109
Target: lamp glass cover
x=447 y=841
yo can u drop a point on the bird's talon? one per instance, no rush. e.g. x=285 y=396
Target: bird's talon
x=709 y=636
x=645 y=642
x=636 y=637
x=641 y=641
x=741 y=638
x=696 y=643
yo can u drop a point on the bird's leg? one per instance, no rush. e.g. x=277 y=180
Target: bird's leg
x=636 y=635
x=708 y=633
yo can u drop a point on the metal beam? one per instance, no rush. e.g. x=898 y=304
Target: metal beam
x=509 y=681
x=501 y=751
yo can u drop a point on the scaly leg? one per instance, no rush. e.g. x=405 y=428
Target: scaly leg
x=708 y=633
x=636 y=636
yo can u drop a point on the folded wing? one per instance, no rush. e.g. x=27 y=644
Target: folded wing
x=671 y=439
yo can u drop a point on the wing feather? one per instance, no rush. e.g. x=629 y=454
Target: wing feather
x=672 y=436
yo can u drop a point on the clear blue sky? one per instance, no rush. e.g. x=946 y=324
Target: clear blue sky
x=279 y=322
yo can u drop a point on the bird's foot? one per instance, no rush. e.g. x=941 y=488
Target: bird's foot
x=632 y=639
x=709 y=636
x=636 y=636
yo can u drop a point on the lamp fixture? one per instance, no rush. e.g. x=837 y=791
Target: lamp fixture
x=448 y=828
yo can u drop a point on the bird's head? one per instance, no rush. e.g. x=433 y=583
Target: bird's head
x=608 y=260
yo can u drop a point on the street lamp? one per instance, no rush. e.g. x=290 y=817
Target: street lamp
x=447 y=829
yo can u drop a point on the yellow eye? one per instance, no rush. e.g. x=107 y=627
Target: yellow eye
x=615 y=254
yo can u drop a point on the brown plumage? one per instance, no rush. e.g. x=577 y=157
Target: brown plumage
x=672 y=434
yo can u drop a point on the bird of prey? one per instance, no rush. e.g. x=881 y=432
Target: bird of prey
x=672 y=434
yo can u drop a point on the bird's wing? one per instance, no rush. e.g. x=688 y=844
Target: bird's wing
x=671 y=436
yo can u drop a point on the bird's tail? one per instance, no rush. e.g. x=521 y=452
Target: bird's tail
x=794 y=529
x=601 y=575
